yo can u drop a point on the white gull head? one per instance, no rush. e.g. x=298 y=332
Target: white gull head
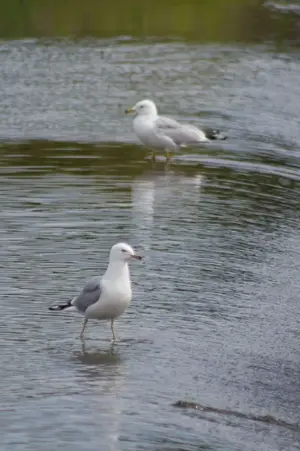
x=144 y=108
x=122 y=252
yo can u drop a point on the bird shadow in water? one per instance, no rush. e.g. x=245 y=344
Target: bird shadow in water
x=92 y=356
x=111 y=355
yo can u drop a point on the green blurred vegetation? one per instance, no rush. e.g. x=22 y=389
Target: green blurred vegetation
x=201 y=20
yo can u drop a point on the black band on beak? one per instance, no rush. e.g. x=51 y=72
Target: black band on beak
x=137 y=257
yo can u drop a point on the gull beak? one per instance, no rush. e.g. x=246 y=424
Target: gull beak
x=130 y=110
x=136 y=257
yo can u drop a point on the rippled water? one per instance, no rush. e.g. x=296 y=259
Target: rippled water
x=215 y=316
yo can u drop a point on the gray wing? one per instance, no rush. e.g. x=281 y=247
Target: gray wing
x=164 y=122
x=181 y=134
x=90 y=294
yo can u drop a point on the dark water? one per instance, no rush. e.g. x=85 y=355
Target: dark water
x=215 y=314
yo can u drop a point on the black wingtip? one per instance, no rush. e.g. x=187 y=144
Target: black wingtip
x=60 y=306
x=215 y=134
x=57 y=307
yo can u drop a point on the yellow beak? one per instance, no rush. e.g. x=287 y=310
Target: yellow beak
x=130 y=110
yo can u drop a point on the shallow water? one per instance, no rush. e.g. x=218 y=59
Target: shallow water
x=215 y=316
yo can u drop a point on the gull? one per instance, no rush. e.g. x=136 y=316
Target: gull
x=162 y=132
x=106 y=297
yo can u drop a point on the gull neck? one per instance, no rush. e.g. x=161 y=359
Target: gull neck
x=116 y=269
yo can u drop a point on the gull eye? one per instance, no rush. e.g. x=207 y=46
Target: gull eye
x=123 y=250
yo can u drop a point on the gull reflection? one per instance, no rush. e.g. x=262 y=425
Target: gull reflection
x=102 y=380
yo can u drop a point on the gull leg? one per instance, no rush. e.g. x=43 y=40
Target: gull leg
x=83 y=327
x=152 y=158
x=168 y=156
x=83 y=347
x=113 y=331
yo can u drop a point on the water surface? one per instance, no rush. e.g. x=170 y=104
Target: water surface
x=215 y=316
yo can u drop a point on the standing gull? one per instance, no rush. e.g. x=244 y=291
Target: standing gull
x=107 y=297
x=162 y=132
